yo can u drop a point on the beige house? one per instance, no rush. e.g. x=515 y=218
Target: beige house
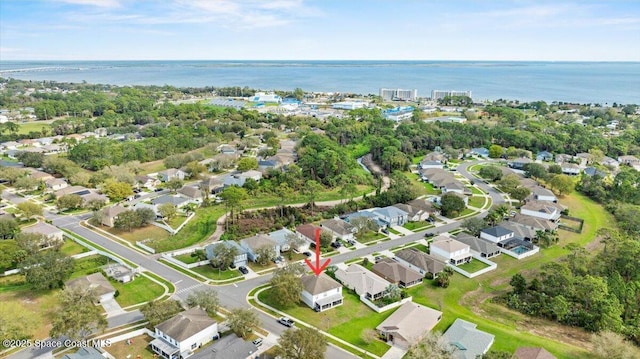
x=396 y=273
x=321 y=292
x=110 y=214
x=365 y=283
x=407 y=325
x=51 y=233
x=97 y=282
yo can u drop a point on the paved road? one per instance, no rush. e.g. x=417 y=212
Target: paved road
x=232 y=295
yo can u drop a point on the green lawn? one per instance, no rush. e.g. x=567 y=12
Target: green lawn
x=213 y=273
x=391 y=230
x=465 y=212
x=176 y=221
x=25 y=128
x=140 y=290
x=473 y=266
x=417 y=226
x=347 y=321
x=369 y=237
x=477 y=202
x=186 y=258
x=468 y=298
x=70 y=248
x=88 y=265
x=475 y=190
x=265 y=200
x=257 y=267
x=140 y=234
x=420 y=247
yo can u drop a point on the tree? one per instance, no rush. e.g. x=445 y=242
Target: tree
x=145 y=215
x=69 y=201
x=508 y=183
x=47 y=269
x=233 y=197
x=174 y=184
x=519 y=283
x=29 y=209
x=284 y=192
x=495 y=151
x=535 y=170
x=444 y=278
x=492 y=173
x=11 y=174
x=363 y=224
x=451 y=205
x=167 y=210
x=16 y=322
x=325 y=239
x=206 y=299
x=369 y=335
x=247 y=163
x=194 y=169
x=242 y=321
x=157 y=312
x=554 y=168
x=78 y=317
x=610 y=345
x=474 y=225
x=302 y=343
x=31 y=159
x=294 y=241
x=8 y=256
x=520 y=193
x=128 y=220
x=31 y=243
x=286 y=286
x=431 y=346
x=563 y=184
x=27 y=183
x=117 y=191
x=8 y=228
x=223 y=255
x=265 y=254
x=311 y=189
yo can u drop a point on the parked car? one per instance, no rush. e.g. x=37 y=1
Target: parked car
x=378 y=259
x=286 y=321
x=351 y=242
x=243 y=270
x=336 y=244
x=428 y=235
x=257 y=342
x=307 y=254
x=278 y=260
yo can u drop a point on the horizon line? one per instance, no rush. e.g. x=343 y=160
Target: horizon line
x=327 y=60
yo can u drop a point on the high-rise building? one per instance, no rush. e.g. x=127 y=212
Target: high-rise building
x=398 y=94
x=439 y=94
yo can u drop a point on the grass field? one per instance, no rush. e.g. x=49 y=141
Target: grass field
x=186 y=258
x=27 y=127
x=477 y=202
x=369 y=237
x=40 y=306
x=213 y=273
x=197 y=230
x=416 y=226
x=140 y=234
x=347 y=321
x=70 y=248
x=138 y=291
x=473 y=266
x=139 y=348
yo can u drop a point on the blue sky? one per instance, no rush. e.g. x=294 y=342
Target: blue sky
x=607 y=30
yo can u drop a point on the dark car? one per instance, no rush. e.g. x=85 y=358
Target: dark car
x=336 y=244
x=307 y=254
x=378 y=259
x=286 y=321
x=158 y=190
x=427 y=235
x=243 y=270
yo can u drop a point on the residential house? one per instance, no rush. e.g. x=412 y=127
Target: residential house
x=191 y=192
x=228 y=150
x=592 y=171
x=520 y=230
x=541 y=194
x=253 y=174
x=570 y=168
x=535 y=223
x=454 y=252
x=39 y=175
x=177 y=200
x=496 y=234
x=179 y=336
x=480 y=151
x=583 y=159
x=320 y=292
x=545 y=210
x=414 y=214
x=532 y=353
x=433 y=160
x=419 y=261
x=563 y=157
x=51 y=234
x=544 y=156
x=239 y=260
x=147 y=182
x=407 y=325
x=171 y=173
x=365 y=283
x=480 y=247
x=467 y=341
x=120 y=272
x=308 y=232
x=519 y=163
x=152 y=207
x=632 y=161
x=87 y=194
x=252 y=244
x=87 y=352
x=366 y=214
x=437 y=174
x=454 y=186
x=610 y=162
x=391 y=215
x=282 y=237
x=96 y=282
x=109 y=215
x=423 y=205
x=396 y=273
x=55 y=184
x=339 y=228
x=430 y=164
x=214 y=184
x=231 y=345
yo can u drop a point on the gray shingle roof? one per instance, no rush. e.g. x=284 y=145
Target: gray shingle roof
x=497 y=231
x=318 y=284
x=421 y=260
x=477 y=244
x=185 y=324
x=467 y=341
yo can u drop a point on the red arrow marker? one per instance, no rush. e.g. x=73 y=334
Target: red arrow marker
x=317 y=268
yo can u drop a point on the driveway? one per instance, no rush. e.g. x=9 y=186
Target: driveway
x=112 y=307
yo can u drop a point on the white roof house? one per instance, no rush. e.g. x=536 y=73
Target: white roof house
x=365 y=283
x=409 y=324
x=453 y=251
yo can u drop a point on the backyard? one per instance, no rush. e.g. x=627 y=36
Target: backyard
x=140 y=290
x=138 y=349
x=476 y=201
x=473 y=266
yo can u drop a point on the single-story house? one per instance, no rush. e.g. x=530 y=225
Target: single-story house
x=430 y=164
x=147 y=182
x=308 y=232
x=97 y=282
x=239 y=260
x=535 y=223
x=542 y=194
x=231 y=345
x=570 y=168
x=55 y=184
x=592 y=171
x=396 y=273
x=407 y=325
x=583 y=159
x=176 y=200
x=414 y=214
x=544 y=210
x=467 y=341
x=610 y=162
x=519 y=230
x=496 y=234
x=39 y=175
x=109 y=215
x=227 y=150
x=252 y=244
x=52 y=234
x=563 y=157
x=519 y=163
x=423 y=205
x=365 y=283
x=480 y=151
x=171 y=173
x=453 y=251
x=120 y=272
x=191 y=192
x=85 y=353
x=87 y=194
x=179 y=336
x=282 y=237
x=339 y=228
x=544 y=156
x=532 y=353
x=391 y=215
x=419 y=261
x=321 y=292
x=152 y=207
x=214 y=184
x=366 y=214
x=483 y=248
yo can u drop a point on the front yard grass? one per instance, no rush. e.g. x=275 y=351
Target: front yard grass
x=139 y=290
x=369 y=237
x=347 y=321
x=70 y=248
x=258 y=268
x=473 y=266
x=197 y=230
x=88 y=265
x=417 y=226
x=477 y=202
x=149 y=232
x=186 y=258
x=41 y=307
x=213 y=273
x=391 y=230
x=475 y=190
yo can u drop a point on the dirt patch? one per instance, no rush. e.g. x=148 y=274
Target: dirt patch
x=595 y=245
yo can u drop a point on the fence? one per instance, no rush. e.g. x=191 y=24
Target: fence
x=491 y=266
x=526 y=254
x=169 y=257
x=377 y=309
x=571 y=229
x=145 y=247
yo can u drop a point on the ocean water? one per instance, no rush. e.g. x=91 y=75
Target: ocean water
x=582 y=82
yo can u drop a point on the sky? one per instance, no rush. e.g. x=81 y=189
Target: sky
x=509 y=30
